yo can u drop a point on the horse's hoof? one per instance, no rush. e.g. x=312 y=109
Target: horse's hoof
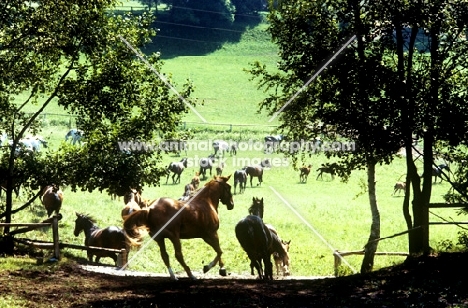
x=206 y=268
x=222 y=272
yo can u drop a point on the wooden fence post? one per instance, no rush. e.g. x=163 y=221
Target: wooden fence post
x=55 y=235
x=122 y=258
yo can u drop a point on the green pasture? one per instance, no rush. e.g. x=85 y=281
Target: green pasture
x=318 y=216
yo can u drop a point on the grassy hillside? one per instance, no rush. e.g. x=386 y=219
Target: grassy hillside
x=318 y=216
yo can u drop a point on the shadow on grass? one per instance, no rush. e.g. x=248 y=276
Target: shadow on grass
x=182 y=39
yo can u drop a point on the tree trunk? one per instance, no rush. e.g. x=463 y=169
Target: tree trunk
x=371 y=246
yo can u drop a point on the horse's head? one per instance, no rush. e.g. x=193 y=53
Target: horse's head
x=82 y=222
x=184 y=162
x=257 y=207
x=226 y=195
x=78 y=224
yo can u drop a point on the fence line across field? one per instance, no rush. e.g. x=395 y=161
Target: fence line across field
x=71 y=123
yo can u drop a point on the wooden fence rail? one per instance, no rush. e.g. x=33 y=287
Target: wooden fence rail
x=56 y=245
x=339 y=254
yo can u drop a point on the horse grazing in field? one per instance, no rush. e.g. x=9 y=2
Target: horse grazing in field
x=233 y=149
x=75 y=135
x=327 y=168
x=398 y=187
x=31 y=144
x=52 y=198
x=304 y=173
x=175 y=220
x=110 y=237
x=272 y=143
x=206 y=163
x=437 y=172
x=220 y=146
x=176 y=168
x=240 y=177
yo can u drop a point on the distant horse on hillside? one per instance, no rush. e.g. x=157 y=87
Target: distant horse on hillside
x=240 y=177
x=304 y=173
x=257 y=171
x=75 y=135
x=272 y=143
x=220 y=146
x=206 y=163
x=176 y=168
x=327 y=168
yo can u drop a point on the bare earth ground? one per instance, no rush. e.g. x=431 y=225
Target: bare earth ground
x=431 y=281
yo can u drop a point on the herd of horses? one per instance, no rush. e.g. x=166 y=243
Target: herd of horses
x=196 y=217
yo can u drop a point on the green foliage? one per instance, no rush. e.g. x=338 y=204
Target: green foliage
x=381 y=90
x=90 y=68
x=209 y=13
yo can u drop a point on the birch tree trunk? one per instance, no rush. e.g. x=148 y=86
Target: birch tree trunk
x=371 y=246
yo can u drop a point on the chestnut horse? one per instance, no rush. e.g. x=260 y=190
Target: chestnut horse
x=166 y=218
x=110 y=237
x=304 y=173
x=52 y=198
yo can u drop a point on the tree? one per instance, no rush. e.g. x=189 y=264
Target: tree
x=208 y=13
x=360 y=94
x=249 y=6
x=79 y=54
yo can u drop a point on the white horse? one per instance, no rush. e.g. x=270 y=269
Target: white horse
x=75 y=135
x=3 y=139
x=220 y=146
x=28 y=144
x=33 y=143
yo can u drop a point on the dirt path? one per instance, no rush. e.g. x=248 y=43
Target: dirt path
x=435 y=281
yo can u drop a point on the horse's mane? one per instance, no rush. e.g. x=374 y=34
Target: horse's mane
x=87 y=217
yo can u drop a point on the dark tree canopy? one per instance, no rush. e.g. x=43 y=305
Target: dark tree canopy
x=79 y=55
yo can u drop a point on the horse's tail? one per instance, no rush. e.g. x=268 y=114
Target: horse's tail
x=135 y=226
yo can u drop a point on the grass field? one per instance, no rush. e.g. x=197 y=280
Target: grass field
x=318 y=216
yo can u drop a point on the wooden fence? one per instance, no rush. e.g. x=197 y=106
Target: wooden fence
x=55 y=245
x=339 y=254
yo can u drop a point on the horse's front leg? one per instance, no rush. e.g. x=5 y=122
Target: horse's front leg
x=180 y=257
x=213 y=241
x=165 y=257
